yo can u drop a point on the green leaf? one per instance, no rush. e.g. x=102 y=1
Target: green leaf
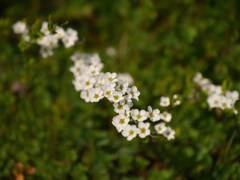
x=50 y=23
x=226 y=85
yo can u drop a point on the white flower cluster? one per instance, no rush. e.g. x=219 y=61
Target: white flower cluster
x=216 y=97
x=95 y=85
x=48 y=41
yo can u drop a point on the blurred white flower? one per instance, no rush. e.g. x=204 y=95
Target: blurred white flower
x=169 y=133
x=154 y=115
x=126 y=77
x=130 y=131
x=164 y=101
x=160 y=128
x=19 y=27
x=143 y=129
x=111 y=51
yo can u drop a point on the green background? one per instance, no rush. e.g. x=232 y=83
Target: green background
x=162 y=44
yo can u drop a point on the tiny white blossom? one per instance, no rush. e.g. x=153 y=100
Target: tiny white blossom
x=88 y=82
x=111 y=77
x=46 y=51
x=126 y=77
x=68 y=41
x=154 y=115
x=44 y=28
x=133 y=91
x=60 y=32
x=233 y=96
x=139 y=115
x=120 y=107
x=111 y=51
x=130 y=132
x=85 y=95
x=96 y=94
x=160 y=128
x=214 y=101
x=225 y=102
x=164 y=101
x=120 y=122
x=122 y=86
x=116 y=96
x=143 y=129
x=199 y=79
x=166 y=116
x=19 y=27
x=169 y=133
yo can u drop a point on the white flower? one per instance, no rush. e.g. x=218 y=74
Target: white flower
x=44 y=28
x=233 y=96
x=46 y=51
x=107 y=91
x=166 y=116
x=215 y=89
x=101 y=81
x=160 y=128
x=214 y=101
x=225 y=102
x=139 y=115
x=60 y=32
x=120 y=122
x=175 y=96
x=88 y=82
x=111 y=77
x=169 y=133
x=42 y=41
x=92 y=70
x=199 y=79
x=71 y=33
x=111 y=51
x=120 y=107
x=116 y=96
x=126 y=77
x=96 y=94
x=19 y=27
x=130 y=132
x=154 y=115
x=143 y=129
x=51 y=41
x=133 y=92
x=77 y=82
x=122 y=86
x=68 y=41
x=176 y=103
x=164 y=101
x=25 y=36
x=85 y=95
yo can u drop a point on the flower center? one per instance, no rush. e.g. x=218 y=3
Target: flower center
x=120 y=106
x=143 y=130
x=116 y=97
x=131 y=132
x=139 y=116
x=87 y=83
x=96 y=96
x=108 y=93
x=151 y=115
x=215 y=102
x=122 y=121
x=110 y=79
x=165 y=115
x=159 y=128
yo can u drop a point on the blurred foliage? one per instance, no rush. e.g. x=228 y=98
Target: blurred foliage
x=44 y=124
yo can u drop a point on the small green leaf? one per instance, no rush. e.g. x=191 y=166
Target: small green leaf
x=50 y=23
x=226 y=85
